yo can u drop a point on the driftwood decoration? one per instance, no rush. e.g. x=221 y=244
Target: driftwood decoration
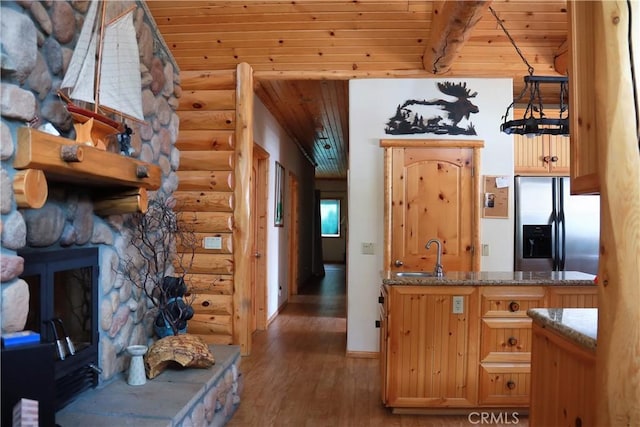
x=188 y=351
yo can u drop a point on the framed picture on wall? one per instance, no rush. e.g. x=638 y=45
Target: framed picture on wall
x=278 y=218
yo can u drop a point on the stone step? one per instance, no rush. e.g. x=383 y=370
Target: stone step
x=175 y=398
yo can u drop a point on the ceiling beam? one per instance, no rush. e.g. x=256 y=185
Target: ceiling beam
x=561 y=58
x=451 y=26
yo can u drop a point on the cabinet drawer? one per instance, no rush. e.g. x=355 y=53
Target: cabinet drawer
x=507 y=340
x=504 y=384
x=512 y=302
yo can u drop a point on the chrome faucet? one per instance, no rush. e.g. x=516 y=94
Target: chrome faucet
x=437 y=270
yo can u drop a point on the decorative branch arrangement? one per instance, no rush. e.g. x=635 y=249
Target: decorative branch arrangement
x=157 y=268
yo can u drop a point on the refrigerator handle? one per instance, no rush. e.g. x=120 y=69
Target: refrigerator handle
x=555 y=224
x=562 y=228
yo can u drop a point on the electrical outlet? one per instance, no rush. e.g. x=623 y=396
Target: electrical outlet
x=458 y=305
x=367 y=248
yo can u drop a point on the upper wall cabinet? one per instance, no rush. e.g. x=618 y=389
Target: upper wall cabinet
x=582 y=102
x=541 y=155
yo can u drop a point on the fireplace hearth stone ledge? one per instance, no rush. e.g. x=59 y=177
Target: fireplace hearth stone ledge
x=175 y=398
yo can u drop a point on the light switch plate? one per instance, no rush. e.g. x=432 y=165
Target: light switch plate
x=458 y=305
x=212 y=242
x=367 y=248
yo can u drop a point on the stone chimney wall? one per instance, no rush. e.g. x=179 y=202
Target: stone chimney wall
x=37 y=39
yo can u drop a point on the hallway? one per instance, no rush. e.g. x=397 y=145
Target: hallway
x=298 y=375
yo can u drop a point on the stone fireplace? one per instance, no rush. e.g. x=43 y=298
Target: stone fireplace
x=37 y=39
x=63 y=308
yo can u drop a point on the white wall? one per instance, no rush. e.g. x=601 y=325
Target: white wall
x=271 y=136
x=372 y=102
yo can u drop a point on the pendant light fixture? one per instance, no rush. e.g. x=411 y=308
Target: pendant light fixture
x=534 y=120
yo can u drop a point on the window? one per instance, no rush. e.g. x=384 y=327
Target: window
x=330 y=217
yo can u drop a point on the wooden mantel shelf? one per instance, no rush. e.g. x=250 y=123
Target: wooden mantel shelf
x=64 y=160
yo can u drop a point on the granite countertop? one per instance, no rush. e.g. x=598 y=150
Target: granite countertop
x=509 y=278
x=578 y=325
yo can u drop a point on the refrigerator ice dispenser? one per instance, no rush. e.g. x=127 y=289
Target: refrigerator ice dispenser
x=536 y=241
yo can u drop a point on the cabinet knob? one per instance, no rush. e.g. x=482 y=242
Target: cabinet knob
x=512 y=341
x=554 y=159
x=398 y=263
x=511 y=385
x=514 y=306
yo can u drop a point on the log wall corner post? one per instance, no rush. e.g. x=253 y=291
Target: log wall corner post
x=451 y=26
x=618 y=345
x=243 y=226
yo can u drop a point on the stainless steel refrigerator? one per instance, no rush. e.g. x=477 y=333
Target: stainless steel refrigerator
x=555 y=231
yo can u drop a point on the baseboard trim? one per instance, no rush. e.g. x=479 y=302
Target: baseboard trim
x=272 y=318
x=363 y=354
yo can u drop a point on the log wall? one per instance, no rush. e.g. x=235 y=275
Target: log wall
x=205 y=196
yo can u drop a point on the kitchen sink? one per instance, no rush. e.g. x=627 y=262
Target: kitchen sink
x=415 y=274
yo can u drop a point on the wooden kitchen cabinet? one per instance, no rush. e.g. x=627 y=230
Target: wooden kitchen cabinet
x=431 y=357
x=383 y=302
x=505 y=340
x=563 y=390
x=572 y=297
x=541 y=155
x=432 y=351
x=584 y=47
x=506 y=337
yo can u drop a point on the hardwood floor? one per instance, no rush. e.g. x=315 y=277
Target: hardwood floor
x=298 y=375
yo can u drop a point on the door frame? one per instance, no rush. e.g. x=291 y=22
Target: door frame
x=259 y=293
x=294 y=233
x=389 y=144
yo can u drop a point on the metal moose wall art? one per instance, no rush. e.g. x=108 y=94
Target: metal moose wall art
x=444 y=119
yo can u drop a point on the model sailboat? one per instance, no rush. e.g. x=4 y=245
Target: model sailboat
x=111 y=83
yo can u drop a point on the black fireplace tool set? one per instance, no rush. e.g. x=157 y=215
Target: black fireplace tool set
x=60 y=343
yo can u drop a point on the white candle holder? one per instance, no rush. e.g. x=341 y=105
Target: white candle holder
x=137 y=375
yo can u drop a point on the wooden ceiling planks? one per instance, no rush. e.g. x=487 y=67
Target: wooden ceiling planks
x=333 y=137
x=303 y=53
x=252 y=7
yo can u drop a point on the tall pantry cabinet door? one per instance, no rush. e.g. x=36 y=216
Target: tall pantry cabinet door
x=432 y=197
